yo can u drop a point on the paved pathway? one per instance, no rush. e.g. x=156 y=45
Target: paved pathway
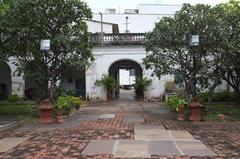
x=123 y=130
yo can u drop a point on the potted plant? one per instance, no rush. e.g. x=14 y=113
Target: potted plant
x=180 y=109
x=109 y=83
x=140 y=86
x=61 y=104
x=76 y=102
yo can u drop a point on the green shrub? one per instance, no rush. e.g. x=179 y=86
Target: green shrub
x=62 y=102
x=141 y=85
x=67 y=102
x=218 y=97
x=203 y=97
x=14 y=98
x=15 y=109
x=75 y=101
x=172 y=100
x=175 y=102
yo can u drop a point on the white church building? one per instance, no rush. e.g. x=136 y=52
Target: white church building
x=118 y=49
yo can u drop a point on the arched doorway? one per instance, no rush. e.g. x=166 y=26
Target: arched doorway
x=5 y=81
x=125 y=72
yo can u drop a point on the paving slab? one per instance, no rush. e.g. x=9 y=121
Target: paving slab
x=133 y=119
x=152 y=127
x=91 y=117
x=98 y=147
x=180 y=135
x=132 y=108
x=158 y=111
x=106 y=116
x=28 y=128
x=163 y=148
x=8 y=143
x=131 y=149
x=110 y=109
x=194 y=148
x=150 y=133
x=45 y=129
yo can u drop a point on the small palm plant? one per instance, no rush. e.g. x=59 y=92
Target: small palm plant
x=140 y=86
x=109 y=83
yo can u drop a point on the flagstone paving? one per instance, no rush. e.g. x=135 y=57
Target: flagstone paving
x=73 y=138
x=131 y=149
x=96 y=147
x=131 y=118
x=163 y=148
x=8 y=143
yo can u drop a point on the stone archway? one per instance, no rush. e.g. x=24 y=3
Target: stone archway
x=5 y=81
x=129 y=65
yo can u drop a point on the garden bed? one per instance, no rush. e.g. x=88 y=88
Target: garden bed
x=16 y=109
x=231 y=112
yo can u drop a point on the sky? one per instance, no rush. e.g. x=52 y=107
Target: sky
x=100 y=5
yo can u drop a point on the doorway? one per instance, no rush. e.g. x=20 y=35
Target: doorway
x=125 y=72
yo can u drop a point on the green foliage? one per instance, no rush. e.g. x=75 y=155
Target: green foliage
x=26 y=22
x=176 y=102
x=14 y=98
x=63 y=102
x=75 y=101
x=218 y=28
x=141 y=85
x=108 y=82
x=168 y=46
x=203 y=97
x=15 y=109
x=223 y=96
x=169 y=86
x=232 y=112
x=67 y=102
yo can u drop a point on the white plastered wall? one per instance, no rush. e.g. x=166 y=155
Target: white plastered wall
x=106 y=56
x=18 y=83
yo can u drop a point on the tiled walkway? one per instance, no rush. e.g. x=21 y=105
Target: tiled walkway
x=149 y=141
x=123 y=130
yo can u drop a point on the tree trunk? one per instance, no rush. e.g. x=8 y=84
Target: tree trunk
x=188 y=90
x=52 y=89
x=211 y=90
x=109 y=95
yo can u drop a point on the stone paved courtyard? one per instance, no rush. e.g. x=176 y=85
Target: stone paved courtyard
x=123 y=130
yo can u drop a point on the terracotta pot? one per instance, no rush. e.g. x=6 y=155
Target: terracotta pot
x=195 y=111
x=109 y=95
x=46 y=109
x=77 y=107
x=59 y=119
x=181 y=115
x=59 y=116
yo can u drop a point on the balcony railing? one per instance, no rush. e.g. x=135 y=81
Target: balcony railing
x=118 y=39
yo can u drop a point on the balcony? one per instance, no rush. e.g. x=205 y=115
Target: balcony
x=118 y=39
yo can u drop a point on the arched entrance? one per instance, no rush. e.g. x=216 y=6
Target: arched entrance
x=5 y=81
x=125 y=72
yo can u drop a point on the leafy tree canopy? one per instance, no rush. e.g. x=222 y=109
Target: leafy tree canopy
x=217 y=57
x=169 y=50
x=27 y=22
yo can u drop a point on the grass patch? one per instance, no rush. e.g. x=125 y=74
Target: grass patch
x=16 y=109
x=225 y=109
x=232 y=112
